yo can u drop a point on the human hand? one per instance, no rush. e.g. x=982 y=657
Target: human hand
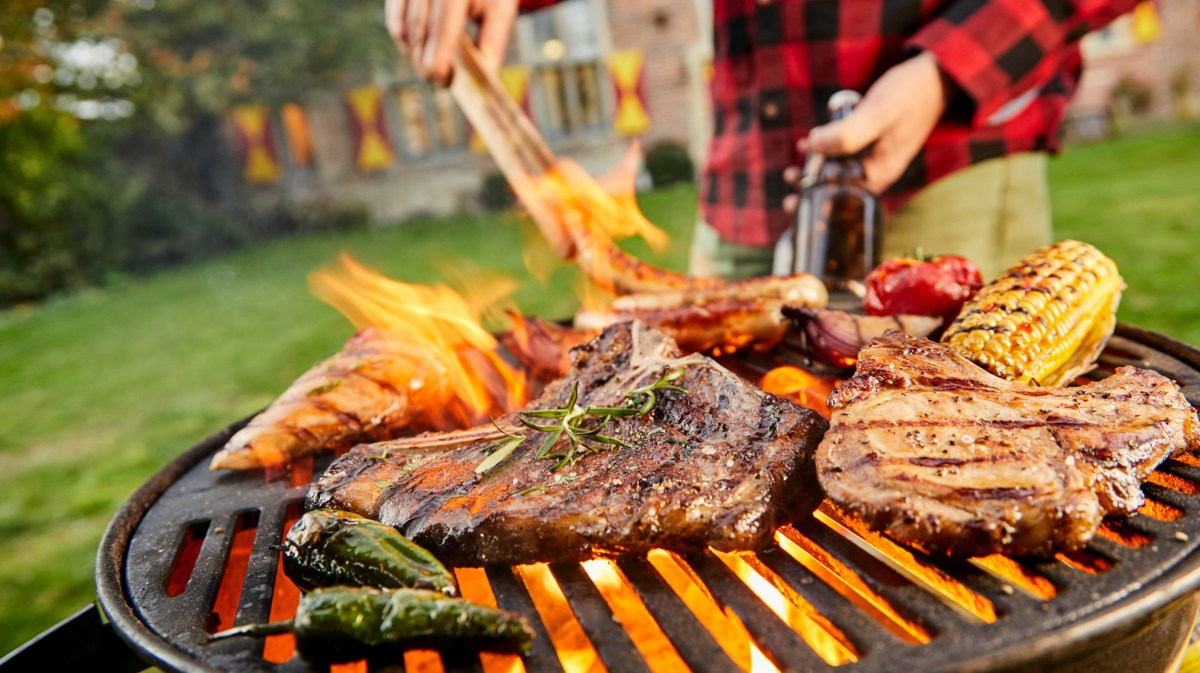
x=429 y=30
x=895 y=117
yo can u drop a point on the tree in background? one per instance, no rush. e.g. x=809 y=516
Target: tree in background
x=113 y=148
x=49 y=194
x=201 y=59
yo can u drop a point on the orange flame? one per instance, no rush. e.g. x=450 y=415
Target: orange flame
x=608 y=204
x=802 y=387
x=455 y=365
x=575 y=650
x=474 y=586
x=647 y=636
x=580 y=218
x=721 y=622
x=953 y=593
x=826 y=639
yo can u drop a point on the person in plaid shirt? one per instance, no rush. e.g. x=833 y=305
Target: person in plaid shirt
x=963 y=100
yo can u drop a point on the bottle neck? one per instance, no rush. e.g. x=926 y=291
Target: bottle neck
x=841 y=112
x=841 y=105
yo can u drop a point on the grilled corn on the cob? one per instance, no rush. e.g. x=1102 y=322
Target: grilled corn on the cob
x=1045 y=320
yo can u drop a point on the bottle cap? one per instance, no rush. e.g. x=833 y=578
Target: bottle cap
x=844 y=98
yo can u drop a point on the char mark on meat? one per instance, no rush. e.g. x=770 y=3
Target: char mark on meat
x=937 y=452
x=721 y=465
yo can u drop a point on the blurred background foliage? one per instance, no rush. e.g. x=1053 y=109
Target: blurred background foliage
x=111 y=146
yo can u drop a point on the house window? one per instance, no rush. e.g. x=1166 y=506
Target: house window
x=562 y=46
x=451 y=130
x=430 y=122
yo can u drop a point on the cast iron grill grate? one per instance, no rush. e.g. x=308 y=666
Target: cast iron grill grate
x=193 y=552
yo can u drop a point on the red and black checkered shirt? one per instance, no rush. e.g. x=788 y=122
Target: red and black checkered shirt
x=777 y=62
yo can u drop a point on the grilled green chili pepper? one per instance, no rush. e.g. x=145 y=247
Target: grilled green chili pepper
x=349 y=623
x=328 y=548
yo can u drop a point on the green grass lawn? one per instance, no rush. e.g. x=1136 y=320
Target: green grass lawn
x=1138 y=200
x=101 y=389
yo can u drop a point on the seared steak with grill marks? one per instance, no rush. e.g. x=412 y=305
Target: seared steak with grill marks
x=934 y=450
x=721 y=465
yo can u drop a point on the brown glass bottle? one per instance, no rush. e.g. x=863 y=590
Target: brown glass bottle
x=838 y=226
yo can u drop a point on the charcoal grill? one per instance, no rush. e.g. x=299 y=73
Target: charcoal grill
x=193 y=551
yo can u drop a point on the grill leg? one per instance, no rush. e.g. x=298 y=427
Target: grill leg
x=81 y=642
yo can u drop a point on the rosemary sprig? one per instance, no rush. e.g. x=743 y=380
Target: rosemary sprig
x=541 y=487
x=380 y=458
x=496 y=453
x=582 y=426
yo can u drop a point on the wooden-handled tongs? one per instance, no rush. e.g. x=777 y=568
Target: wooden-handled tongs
x=507 y=132
x=509 y=135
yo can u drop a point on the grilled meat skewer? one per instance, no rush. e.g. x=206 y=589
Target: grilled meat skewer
x=737 y=315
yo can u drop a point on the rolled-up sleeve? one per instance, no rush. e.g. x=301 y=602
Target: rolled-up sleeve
x=997 y=50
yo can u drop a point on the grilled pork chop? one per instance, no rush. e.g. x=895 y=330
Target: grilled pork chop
x=721 y=465
x=934 y=450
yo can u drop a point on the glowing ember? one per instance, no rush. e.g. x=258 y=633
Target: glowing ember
x=649 y=639
x=473 y=585
x=1017 y=575
x=814 y=628
x=1174 y=482
x=802 y=387
x=1160 y=511
x=574 y=648
x=722 y=623
x=849 y=584
x=285 y=597
x=1123 y=534
x=952 y=592
x=457 y=379
x=233 y=577
x=1085 y=561
x=421 y=661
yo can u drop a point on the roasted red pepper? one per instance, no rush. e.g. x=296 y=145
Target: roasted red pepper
x=935 y=287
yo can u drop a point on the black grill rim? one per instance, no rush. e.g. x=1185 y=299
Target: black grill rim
x=111 y=590
x=1122 y=618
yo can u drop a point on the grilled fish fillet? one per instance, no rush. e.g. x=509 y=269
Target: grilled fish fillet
x=721 y=465
x=364 y=392
x=935 y=451
x=375 y=387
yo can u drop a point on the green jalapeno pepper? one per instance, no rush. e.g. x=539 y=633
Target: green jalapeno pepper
x=349 y=623
x=330 y=548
